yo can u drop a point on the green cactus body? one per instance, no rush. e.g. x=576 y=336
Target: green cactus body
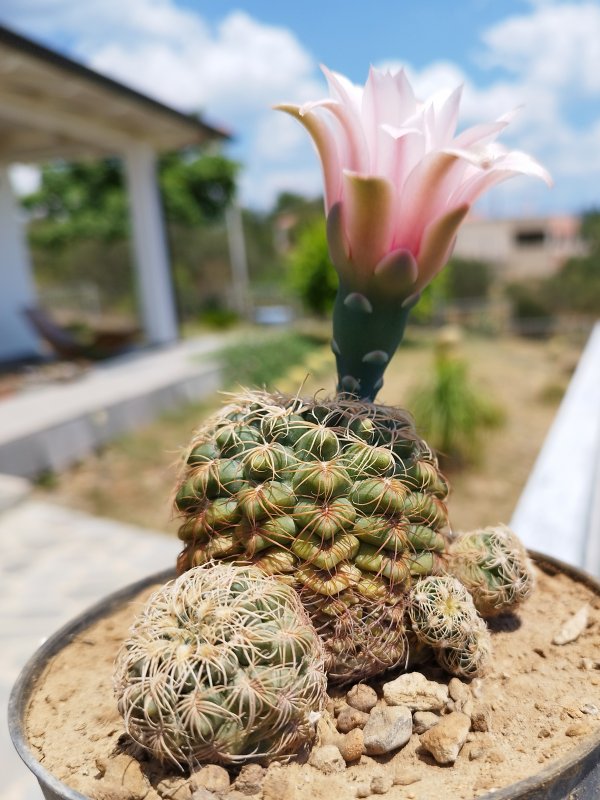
x=203 y=672
x=340 y=498
x=494 y=566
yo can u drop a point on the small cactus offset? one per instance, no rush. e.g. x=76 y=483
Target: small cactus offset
x=494 y=566
x=223 y=665
x=443 y=616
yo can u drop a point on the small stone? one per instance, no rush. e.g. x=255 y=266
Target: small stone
x=579 y=729
x=388 y=729
x=327 y=733
x=405 y=776
x=362 y=697
x=591 y=709
x=458 y=691
x=339 y=703
x=481 y=717
x=587 y=664
x=381 y=784
x=496 y=756
x=444 y=740
x=363 y=789
x=423 y=720
x=352 y=745
x=476 y=751
x=174 y=789
x=327 y=759
x=204 y=794
x=350 y=718
x=250 y=779
x=417 y=693
x=278 y=784
x=211 y=777
x=544 y=733
x=477 y=688
x=573 y=627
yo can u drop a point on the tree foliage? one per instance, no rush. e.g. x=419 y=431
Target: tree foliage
x=312 y=275
x=88 y=199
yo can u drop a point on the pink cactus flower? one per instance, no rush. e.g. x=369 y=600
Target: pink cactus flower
x=398 y=179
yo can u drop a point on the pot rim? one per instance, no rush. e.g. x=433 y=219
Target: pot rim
x=25 y=685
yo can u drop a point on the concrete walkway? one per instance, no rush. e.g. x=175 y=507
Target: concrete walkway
x=55 y=563
x=51 y=427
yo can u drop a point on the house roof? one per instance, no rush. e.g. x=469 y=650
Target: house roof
x=54 y=107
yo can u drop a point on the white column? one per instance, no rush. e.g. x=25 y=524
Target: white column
x=150 y=246
x=237 y=257
x=17 y=288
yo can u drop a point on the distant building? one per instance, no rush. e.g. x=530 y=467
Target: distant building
x=529 y=247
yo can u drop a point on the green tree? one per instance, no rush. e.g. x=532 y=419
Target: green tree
x=312 y=275
x=80 y=225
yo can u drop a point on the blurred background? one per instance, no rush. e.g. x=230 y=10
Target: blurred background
x=161 y=222
x=162 y=240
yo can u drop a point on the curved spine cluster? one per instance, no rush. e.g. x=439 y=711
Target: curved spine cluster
x=223 y=665
x=444 y=617
x=494 y=566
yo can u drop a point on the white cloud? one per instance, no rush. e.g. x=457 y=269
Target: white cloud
x=546 y=59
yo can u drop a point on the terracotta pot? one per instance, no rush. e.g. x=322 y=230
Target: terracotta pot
x=577 y=775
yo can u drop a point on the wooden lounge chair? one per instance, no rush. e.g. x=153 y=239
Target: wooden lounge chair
x=80 y=342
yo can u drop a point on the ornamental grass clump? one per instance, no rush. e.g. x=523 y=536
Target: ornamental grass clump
x=222 y=666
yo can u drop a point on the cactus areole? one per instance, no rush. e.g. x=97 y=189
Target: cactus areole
x=398 y=183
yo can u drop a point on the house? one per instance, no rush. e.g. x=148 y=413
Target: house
x=54 y=108
x=522 y=248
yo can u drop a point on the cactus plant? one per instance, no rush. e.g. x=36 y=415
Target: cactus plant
x=341 y=498
x=494 y=566
x=443 y=616
x=223 y=665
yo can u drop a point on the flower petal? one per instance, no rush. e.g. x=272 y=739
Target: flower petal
x=511 y=164
x=437 y=243
x=387 y=100
x=424 y=197
x=396 y=274
x=325 y=142
x=367 y=214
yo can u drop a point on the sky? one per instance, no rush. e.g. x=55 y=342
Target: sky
x=234 y=60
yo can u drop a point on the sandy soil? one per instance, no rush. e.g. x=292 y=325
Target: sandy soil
x=543 y=699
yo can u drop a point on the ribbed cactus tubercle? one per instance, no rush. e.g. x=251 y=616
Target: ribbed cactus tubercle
x=223 y=665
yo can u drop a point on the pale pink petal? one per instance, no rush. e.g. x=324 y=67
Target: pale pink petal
x=351 y=146
x=326 y=145
x=424 y=197
x=344 y=90
x=446 y=117
x=384 y=104
x=512 y=164
x=399 y=151
x=367 y=209
x=484 y=132
x=436 y=247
